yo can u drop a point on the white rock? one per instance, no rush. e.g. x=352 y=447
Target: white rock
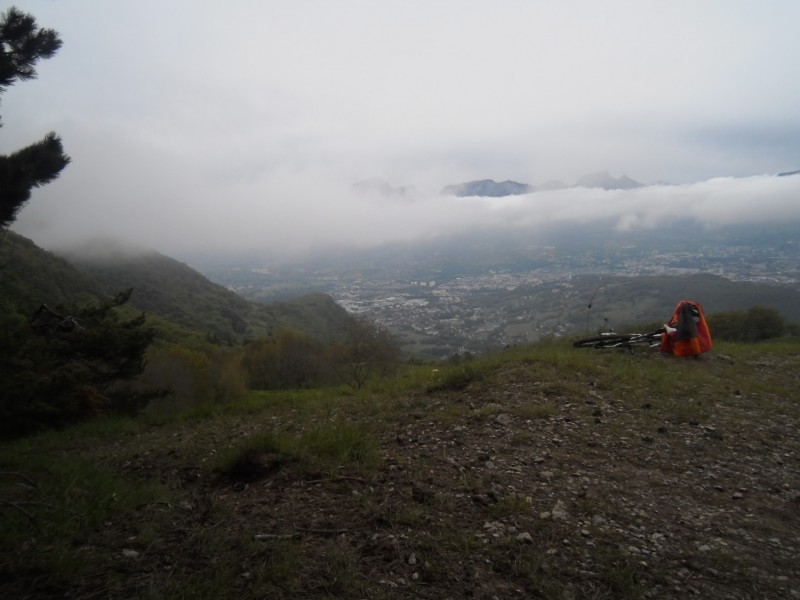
x=559 y=511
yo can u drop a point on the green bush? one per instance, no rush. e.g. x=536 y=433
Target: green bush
x=328 y=447
x=752 y=325
x=69 y=363
x=290 y=360
x=460 y=377
x=368 y=351
x=295 y=360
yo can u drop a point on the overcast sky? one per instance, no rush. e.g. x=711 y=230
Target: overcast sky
x=242 y=124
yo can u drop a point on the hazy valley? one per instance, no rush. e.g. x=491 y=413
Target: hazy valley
x=482 y=291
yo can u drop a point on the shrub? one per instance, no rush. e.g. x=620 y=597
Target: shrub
x=328 y=447
x=460 y=377
x=290 y=360
x=368 y=350
x=193 y=378
x=752 y=325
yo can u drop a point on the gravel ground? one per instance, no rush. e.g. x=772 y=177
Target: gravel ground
x=517 y=485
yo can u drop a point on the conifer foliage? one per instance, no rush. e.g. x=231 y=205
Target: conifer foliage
x=65 y=364
x=22 y=44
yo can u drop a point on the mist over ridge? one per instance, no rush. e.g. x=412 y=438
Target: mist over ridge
x=376 y=214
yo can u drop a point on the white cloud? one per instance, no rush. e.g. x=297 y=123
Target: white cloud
x=305 y=210
x=244 y=123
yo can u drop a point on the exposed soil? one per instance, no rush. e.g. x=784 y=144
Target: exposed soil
x=517 y=486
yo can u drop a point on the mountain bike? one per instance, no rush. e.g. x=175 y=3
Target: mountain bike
x=685 y=334
x=622 y=340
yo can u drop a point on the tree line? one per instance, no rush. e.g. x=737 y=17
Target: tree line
x=67 y=363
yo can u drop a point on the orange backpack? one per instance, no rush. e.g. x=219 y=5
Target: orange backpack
x=688 y=333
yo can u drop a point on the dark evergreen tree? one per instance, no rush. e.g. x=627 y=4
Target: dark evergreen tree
x=22 y=44
x=64 y=364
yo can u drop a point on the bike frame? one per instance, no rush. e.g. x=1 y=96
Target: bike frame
x=621 y=340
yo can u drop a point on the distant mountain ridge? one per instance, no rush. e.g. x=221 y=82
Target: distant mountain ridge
x=488 y=187
x=496 y=189
x=380 y=187
x=604 y=180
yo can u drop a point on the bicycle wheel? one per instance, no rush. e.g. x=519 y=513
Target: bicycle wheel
x=603 y=341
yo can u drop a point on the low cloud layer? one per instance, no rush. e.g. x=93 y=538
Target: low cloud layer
x=242 y=126
x=304 y=216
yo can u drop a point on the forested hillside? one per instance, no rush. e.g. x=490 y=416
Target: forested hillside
x=31 y=276
x=126 y=331
x=161 y=286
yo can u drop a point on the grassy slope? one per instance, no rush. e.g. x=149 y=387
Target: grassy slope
x=544 y=472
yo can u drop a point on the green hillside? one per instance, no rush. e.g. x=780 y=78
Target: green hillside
x=140 y=330
x=30 y=276
x=163 y=287
x=317 y=315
